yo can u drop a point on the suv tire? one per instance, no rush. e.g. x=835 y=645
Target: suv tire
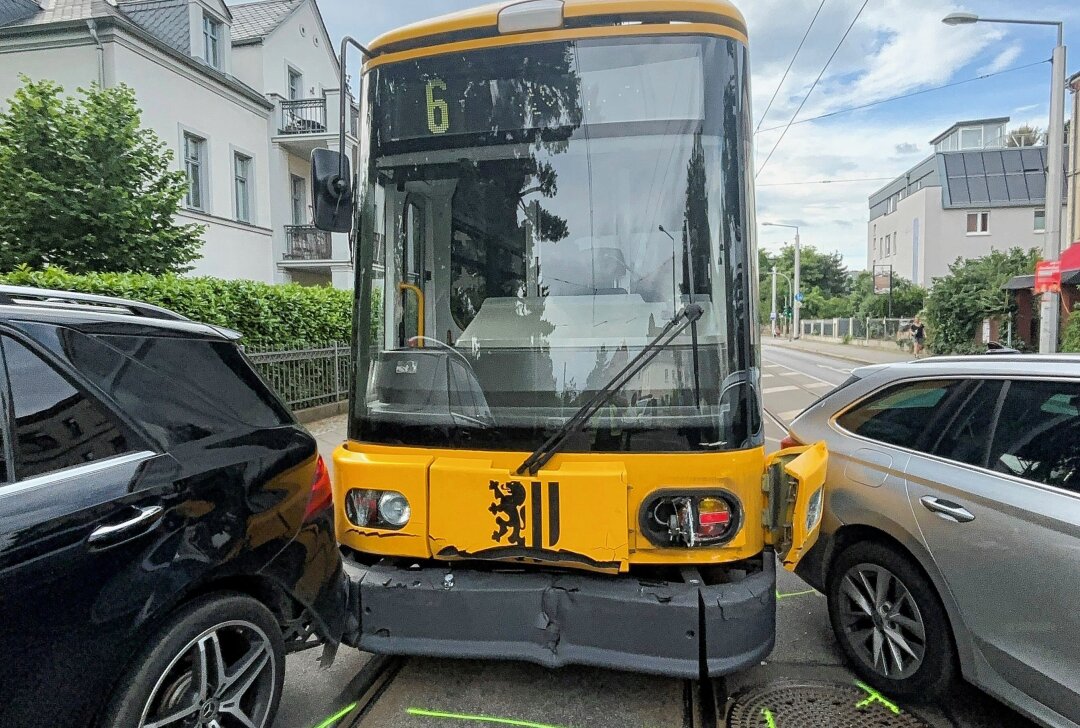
x=239 y=642
x=890 y=622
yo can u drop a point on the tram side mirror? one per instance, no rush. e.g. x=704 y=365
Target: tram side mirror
x=331 y=191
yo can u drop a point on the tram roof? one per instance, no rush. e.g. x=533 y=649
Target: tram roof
x=483 y=21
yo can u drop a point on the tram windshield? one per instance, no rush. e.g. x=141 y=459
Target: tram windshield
x=531 y=217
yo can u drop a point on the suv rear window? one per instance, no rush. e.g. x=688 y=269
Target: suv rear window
x=900 y=414
x=178 y=389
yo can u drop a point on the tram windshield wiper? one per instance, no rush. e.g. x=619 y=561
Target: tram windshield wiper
x=540 y=457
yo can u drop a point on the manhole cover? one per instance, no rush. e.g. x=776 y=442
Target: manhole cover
x=805 y=704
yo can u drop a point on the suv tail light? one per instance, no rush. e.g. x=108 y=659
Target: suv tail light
x=322 y=494
x=789 y=441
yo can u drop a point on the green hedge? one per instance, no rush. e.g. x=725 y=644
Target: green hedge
x=1070 y=337
x=278 y=316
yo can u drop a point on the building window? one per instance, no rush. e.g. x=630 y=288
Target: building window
x=299 y=206
x=242 y=186
x=1040 y=221
x=971 y=138
x=195 y=167
x=211 y=30
x=978 y=223
x=890 y=204
x=296 y=84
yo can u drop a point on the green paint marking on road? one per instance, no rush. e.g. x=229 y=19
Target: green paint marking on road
x=770 y=721
x=337 y=716
x=873 y=696
x=794 y=594
x=478 y=718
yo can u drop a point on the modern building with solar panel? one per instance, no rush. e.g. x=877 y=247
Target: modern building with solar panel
x=973 y=195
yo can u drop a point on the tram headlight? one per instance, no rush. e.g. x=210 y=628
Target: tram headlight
x=377 y=508
x=394 y=509
x=690 y=520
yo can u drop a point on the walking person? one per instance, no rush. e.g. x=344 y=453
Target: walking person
x=918 y=335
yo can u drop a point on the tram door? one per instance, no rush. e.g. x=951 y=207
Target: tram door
x=411 y=275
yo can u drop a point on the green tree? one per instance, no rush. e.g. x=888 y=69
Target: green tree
x=958 y=303
x=824 y=271
x=907 y=298
x=85 y=187
x=824 y=281
x=1024 y=135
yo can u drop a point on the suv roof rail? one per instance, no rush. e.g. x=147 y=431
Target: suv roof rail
x=48 y=298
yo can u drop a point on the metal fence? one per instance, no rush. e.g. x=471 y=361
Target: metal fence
x=307 y=242
x=870 y=329
x=303 y=116
x=306 y=377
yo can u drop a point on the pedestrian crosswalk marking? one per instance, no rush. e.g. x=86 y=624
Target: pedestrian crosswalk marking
x=774 y=390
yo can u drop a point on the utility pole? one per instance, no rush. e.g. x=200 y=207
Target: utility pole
x=795 y=296
x=773 y=317
x=1055 y=140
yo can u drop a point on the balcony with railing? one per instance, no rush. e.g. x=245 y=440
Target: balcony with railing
x=303 y=116
x=306 y=243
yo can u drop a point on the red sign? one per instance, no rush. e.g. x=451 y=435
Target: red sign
x=1048 y=276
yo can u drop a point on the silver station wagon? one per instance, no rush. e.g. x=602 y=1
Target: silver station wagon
x=950 y=544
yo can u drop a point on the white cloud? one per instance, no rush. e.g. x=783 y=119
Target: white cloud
x=1003 y=60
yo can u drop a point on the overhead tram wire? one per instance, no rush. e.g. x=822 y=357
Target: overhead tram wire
x=901 y=97
x=826 y=181
x=813 y=86
x=789 y=65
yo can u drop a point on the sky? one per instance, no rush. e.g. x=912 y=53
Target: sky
x=896 y=47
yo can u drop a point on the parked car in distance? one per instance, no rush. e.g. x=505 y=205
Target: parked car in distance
x=950 y=543
x=166 y=530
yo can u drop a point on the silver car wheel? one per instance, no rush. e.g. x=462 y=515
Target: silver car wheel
x=881 y=621
x=224 y=678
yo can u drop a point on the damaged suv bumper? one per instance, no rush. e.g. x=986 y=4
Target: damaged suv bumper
x=667 y=628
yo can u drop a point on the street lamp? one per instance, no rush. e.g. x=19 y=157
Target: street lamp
x=791 y=294
x=795 y=293
x=1055 y=142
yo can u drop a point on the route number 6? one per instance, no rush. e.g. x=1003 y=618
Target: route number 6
x=437 y=123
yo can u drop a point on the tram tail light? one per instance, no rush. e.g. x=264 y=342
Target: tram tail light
x=707 y=519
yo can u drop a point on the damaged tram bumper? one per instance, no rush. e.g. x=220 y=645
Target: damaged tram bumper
x=679 y=629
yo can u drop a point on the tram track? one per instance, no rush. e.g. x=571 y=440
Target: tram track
x=366 y=689
x=705 y=703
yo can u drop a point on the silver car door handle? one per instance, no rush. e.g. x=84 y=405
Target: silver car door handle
x=948 y=509
x=145 y=517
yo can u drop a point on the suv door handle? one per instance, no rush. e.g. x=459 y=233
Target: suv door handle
x=146 y=517
x=947 y=509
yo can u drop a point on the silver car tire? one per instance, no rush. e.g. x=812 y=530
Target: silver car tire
x=217 y=663
x=890 y=623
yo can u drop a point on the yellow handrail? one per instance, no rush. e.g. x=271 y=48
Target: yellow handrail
x=419 y=310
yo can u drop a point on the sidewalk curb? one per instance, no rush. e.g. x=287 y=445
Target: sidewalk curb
x=785 y=344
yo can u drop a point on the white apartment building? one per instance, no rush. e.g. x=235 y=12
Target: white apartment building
x=971 y=197
x=241 y=94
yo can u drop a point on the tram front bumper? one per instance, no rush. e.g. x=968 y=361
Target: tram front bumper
x=557 y=619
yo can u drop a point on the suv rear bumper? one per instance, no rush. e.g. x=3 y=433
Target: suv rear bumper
x=557 y=619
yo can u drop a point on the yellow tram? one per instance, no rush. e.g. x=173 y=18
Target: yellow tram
x=555 y=445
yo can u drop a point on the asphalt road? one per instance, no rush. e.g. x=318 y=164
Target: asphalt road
x=577 y=697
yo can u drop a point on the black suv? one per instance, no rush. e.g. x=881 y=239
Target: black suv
x=166 y=529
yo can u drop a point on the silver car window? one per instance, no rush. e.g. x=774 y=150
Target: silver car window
x=967 y=436
x=1038 y=433
x=899 y=415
